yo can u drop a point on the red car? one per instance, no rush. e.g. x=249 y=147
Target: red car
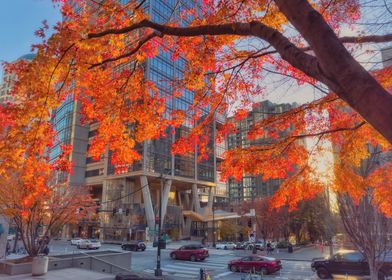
x=257 y=263
x=190 y=252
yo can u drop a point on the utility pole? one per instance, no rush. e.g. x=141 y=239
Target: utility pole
x=158 y=270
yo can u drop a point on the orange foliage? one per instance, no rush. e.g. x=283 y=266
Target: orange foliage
x=106 y=76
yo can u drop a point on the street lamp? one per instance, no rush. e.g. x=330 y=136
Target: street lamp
x=158 y=270
x=213 y=222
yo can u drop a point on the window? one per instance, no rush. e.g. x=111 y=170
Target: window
x=353 y=257
x=92 y=133
x=245 y=259
x=92 y=173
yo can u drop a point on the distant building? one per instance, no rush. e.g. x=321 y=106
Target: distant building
x=251 y=187
x=8 y=80
x=386 y=55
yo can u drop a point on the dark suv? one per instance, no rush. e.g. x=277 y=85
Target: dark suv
x=190 y=252
x=347 y=263
x=134 y=246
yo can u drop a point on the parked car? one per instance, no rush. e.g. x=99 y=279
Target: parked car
x=241 y=245
x=89 y=244
x=282 y=244
x=347 y=262
x=257 y=263
x=259 y=245
x=225 y=245
x=193 y=253
x=76 y=241
x=134 y=246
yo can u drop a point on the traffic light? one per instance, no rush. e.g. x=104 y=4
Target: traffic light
x=114 y=211
x=250 y=223
x=127 y=212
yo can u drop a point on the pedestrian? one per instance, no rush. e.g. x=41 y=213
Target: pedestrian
x=8 y=248
x=269 y=248
x=45 y=251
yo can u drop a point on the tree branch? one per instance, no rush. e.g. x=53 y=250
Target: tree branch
x=133 y=51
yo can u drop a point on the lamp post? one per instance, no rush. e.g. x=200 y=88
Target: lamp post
x=158 y=270
x=213 y=222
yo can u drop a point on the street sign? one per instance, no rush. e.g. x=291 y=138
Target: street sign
x=252 y=212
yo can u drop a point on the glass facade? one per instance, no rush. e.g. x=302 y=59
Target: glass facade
x=163 y=70
x=62 y=124
x=250 y=187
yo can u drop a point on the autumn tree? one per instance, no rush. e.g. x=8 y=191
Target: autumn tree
x=99 y=53
x=28 y=196
x=229 y=230
x=362 y=215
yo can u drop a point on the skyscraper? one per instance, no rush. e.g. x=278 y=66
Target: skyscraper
x=250 y=186
x=8 y=80
x=129 y=202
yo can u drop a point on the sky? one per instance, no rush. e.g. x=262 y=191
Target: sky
x=18 y=21
x=20 y=18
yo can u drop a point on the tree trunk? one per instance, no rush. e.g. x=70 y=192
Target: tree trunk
x=353 y=83
x=15 y=241
x=373 y=271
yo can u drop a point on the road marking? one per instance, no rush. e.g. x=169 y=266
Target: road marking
x=223 y=274
x=202 y=264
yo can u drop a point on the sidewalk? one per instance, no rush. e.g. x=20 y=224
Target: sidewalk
x=62 y=274
x=301 y=254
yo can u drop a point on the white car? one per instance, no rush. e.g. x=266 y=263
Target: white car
x=89 y=244
x=11 y=237
x=225 y=245
x=76 y=241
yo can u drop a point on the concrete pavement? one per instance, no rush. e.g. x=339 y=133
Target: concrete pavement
x=62 y=274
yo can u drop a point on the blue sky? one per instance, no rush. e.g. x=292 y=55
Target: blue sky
x=18 y=21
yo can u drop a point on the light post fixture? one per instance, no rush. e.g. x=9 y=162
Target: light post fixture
x=213 y=222
x=158 y=270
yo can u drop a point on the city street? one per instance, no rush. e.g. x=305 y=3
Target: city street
x=215 y=265
x=295 y=265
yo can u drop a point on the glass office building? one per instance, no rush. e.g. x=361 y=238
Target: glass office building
x=251 y=187
x=129 y=202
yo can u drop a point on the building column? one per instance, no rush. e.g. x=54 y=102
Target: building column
x=195 y=198
x=210 y=198
x=165 y=198
x=179 y=199
x=148 y=209
x=4 y=221
x=208 y=208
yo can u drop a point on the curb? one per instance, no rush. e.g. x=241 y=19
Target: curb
x=295 y=260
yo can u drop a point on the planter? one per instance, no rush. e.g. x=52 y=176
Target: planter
x=40 y=265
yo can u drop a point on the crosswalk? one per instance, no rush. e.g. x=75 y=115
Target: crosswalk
x=215 y=267
x=294 y=270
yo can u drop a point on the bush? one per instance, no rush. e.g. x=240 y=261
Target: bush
x=175 y=234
